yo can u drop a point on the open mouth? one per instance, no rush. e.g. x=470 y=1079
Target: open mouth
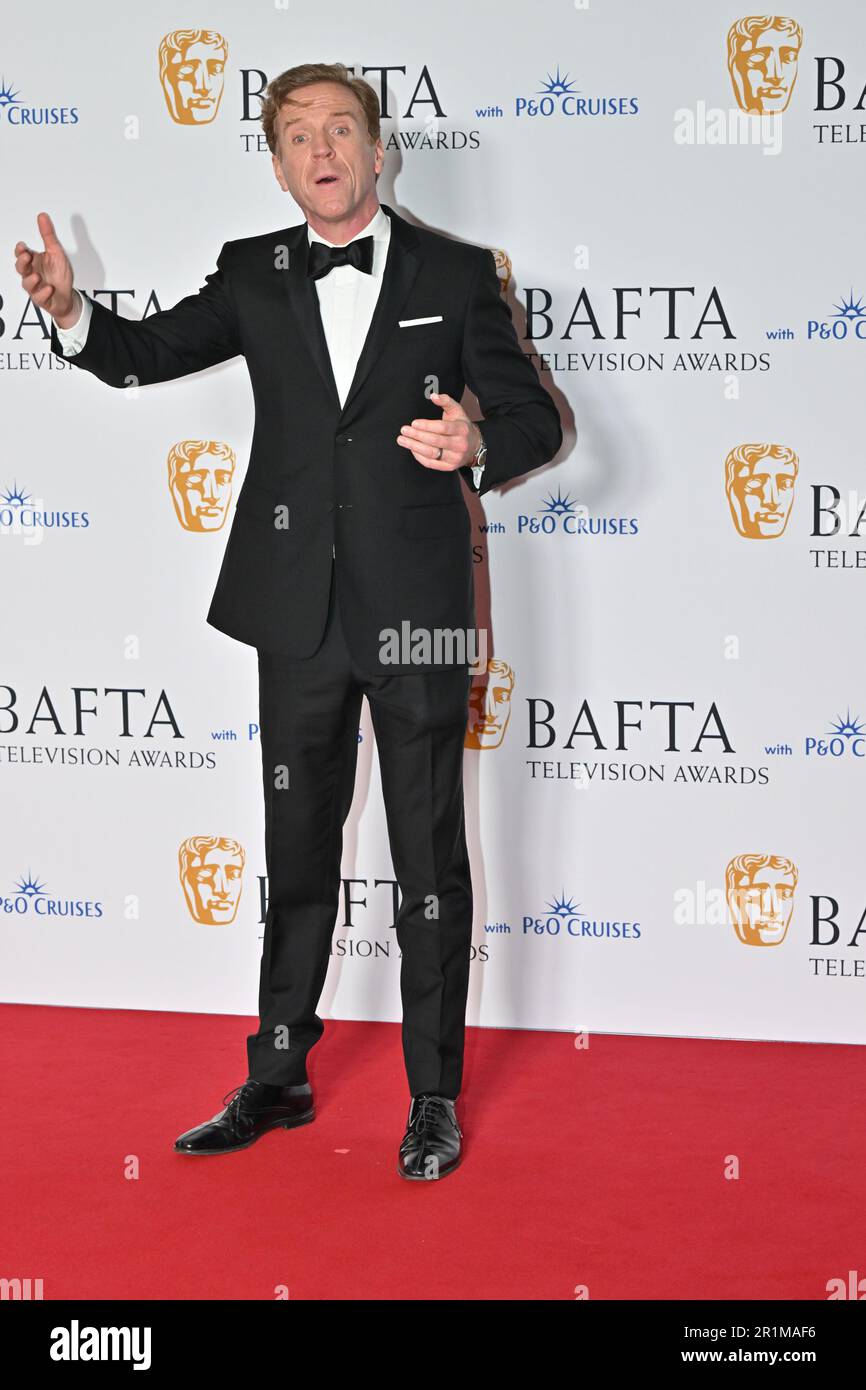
x=326 y=179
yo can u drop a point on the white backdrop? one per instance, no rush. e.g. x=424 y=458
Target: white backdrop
x=616 y=574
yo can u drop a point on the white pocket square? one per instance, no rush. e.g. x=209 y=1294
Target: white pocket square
x=410 y=323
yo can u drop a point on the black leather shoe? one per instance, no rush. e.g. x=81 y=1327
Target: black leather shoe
x=253 y=1108
x=431 y=1145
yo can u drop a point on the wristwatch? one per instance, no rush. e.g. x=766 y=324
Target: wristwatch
x=478 y=462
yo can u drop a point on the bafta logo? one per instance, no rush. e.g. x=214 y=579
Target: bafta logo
x=503 y=269
x=760 y=893
x=192 y=71
x=211 y=873
x=759 y=481
x=200 y=475
x=490 y=706
x=762 y=59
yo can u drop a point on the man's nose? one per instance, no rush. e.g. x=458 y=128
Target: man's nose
x=774 y=65
x=200 y=78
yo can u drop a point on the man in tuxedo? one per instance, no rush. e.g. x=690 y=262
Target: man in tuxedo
x=360 y=333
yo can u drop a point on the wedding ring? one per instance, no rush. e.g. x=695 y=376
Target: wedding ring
x=438 y=454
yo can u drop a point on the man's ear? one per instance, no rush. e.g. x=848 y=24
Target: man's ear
x=278 y=173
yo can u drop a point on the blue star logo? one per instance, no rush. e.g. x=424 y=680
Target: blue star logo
x=557 y=86
x=8 y=95
x=16 y=497
x=848 y=309
x=848 y=727
x=558 y=505
x=29 y=887
x=563 y=906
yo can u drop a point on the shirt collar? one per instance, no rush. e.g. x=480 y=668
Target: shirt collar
x=379 y=227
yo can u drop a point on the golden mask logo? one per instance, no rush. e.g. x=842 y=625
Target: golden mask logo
x=192 y=71
x=211 y=874
x=763 y=51
x=760 y=893
x=503 y=269
x=490 y=706
x=759 y=481
x=200 y=473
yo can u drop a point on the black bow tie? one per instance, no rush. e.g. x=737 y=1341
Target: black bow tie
x=322 y=258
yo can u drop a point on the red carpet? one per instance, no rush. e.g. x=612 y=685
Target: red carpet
x=602 y=1168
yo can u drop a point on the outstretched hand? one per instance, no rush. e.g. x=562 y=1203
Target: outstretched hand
x=46 y=275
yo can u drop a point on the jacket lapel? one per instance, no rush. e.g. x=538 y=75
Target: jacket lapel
x=305 y=304
x=401 y=267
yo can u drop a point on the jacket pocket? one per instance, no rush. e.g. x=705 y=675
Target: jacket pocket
x=435 y=519
x=422 y=332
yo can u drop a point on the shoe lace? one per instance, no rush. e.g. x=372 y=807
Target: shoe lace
x=234 y=1101
x=428 y=1110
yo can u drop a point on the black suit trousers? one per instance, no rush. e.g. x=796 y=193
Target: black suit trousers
x=309 y=712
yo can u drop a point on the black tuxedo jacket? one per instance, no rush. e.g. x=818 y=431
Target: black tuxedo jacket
x=399 y=533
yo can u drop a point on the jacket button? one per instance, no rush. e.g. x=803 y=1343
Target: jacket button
x=344 y=439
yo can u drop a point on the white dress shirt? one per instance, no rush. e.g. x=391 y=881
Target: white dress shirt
x=347 y=298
